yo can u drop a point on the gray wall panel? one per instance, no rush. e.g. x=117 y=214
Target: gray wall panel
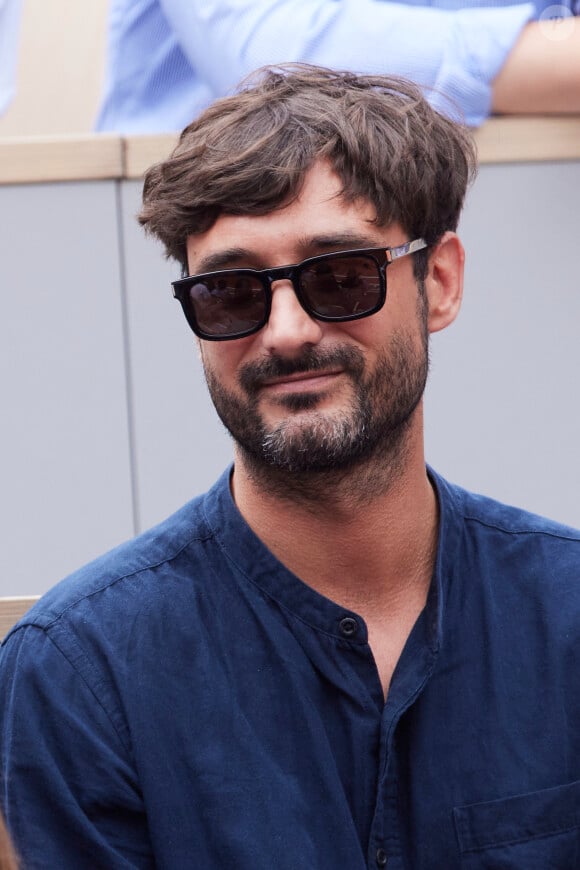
x=66 y=493
x=180 y=446
x=503 y=408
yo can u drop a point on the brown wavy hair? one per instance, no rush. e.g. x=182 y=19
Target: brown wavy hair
x=247 y=154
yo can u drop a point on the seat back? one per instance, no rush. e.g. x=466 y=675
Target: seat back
x=11 y=609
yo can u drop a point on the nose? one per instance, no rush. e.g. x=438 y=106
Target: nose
x=289 y=327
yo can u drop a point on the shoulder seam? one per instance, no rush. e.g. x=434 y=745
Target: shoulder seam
x=113 y=582
x=83 y=677
x=524 y=530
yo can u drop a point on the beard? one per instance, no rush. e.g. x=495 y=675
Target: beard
x=309 y=441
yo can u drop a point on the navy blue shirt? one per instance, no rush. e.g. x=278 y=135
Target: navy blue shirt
x=185 y=701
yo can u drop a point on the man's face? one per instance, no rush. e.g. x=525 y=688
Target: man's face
x=303 y=395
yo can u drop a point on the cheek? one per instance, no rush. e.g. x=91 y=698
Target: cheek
x=401 y=307
x=404 y=312
x=224 y=358
x=370 y=332
x=375 y=334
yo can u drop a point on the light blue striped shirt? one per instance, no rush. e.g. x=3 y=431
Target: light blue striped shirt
x=10 y=14
x=167 y=59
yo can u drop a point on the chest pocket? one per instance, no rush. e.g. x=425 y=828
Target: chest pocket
x=535 y=831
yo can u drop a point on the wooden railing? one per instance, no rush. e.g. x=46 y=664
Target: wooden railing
x=98 y=156
x=11 y=609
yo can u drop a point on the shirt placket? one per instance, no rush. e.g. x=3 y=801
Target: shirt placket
x=411 y=675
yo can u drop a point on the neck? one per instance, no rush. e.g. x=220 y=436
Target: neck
x=365 y=538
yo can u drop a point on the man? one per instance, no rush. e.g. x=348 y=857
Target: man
x=167 y=59
x=334 y=658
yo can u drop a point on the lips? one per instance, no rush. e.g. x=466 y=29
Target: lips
x=308 y=378
x=314 y=366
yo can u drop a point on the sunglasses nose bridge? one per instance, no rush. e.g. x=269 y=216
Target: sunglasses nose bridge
x=291 y=274
x=282 y=273
x=285 y=273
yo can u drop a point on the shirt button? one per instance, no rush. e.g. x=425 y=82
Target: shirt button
x=348 y=626
x=381 y=857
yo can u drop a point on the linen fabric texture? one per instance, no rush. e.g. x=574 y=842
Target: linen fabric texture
x=186 y=701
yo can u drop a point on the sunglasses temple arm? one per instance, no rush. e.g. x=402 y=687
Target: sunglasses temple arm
x=407 y=248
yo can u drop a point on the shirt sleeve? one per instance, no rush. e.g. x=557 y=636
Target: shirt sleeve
x=67 y=784
x=10 y=14
x=455 y=55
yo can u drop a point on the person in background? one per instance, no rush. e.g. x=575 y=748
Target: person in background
x=10 y=16
x=7 y=856
x=334 y=658
x=167 y=59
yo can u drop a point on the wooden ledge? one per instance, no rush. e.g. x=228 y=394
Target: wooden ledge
x=528 y=139
x=523 y=139
x=60 y=158
x=11 y=609
x=141 y=152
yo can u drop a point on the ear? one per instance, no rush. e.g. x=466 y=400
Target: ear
x=444 y=281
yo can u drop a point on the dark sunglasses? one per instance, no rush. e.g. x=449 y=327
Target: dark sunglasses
x=345 y=285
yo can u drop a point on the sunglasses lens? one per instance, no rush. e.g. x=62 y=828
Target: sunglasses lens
x=227 y=305
x=338 y=288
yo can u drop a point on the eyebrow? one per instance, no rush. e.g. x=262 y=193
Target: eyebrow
x=224 y=259
x=231 y=257
x=340 y=241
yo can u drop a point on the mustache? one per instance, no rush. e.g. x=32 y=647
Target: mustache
x=253 y=374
